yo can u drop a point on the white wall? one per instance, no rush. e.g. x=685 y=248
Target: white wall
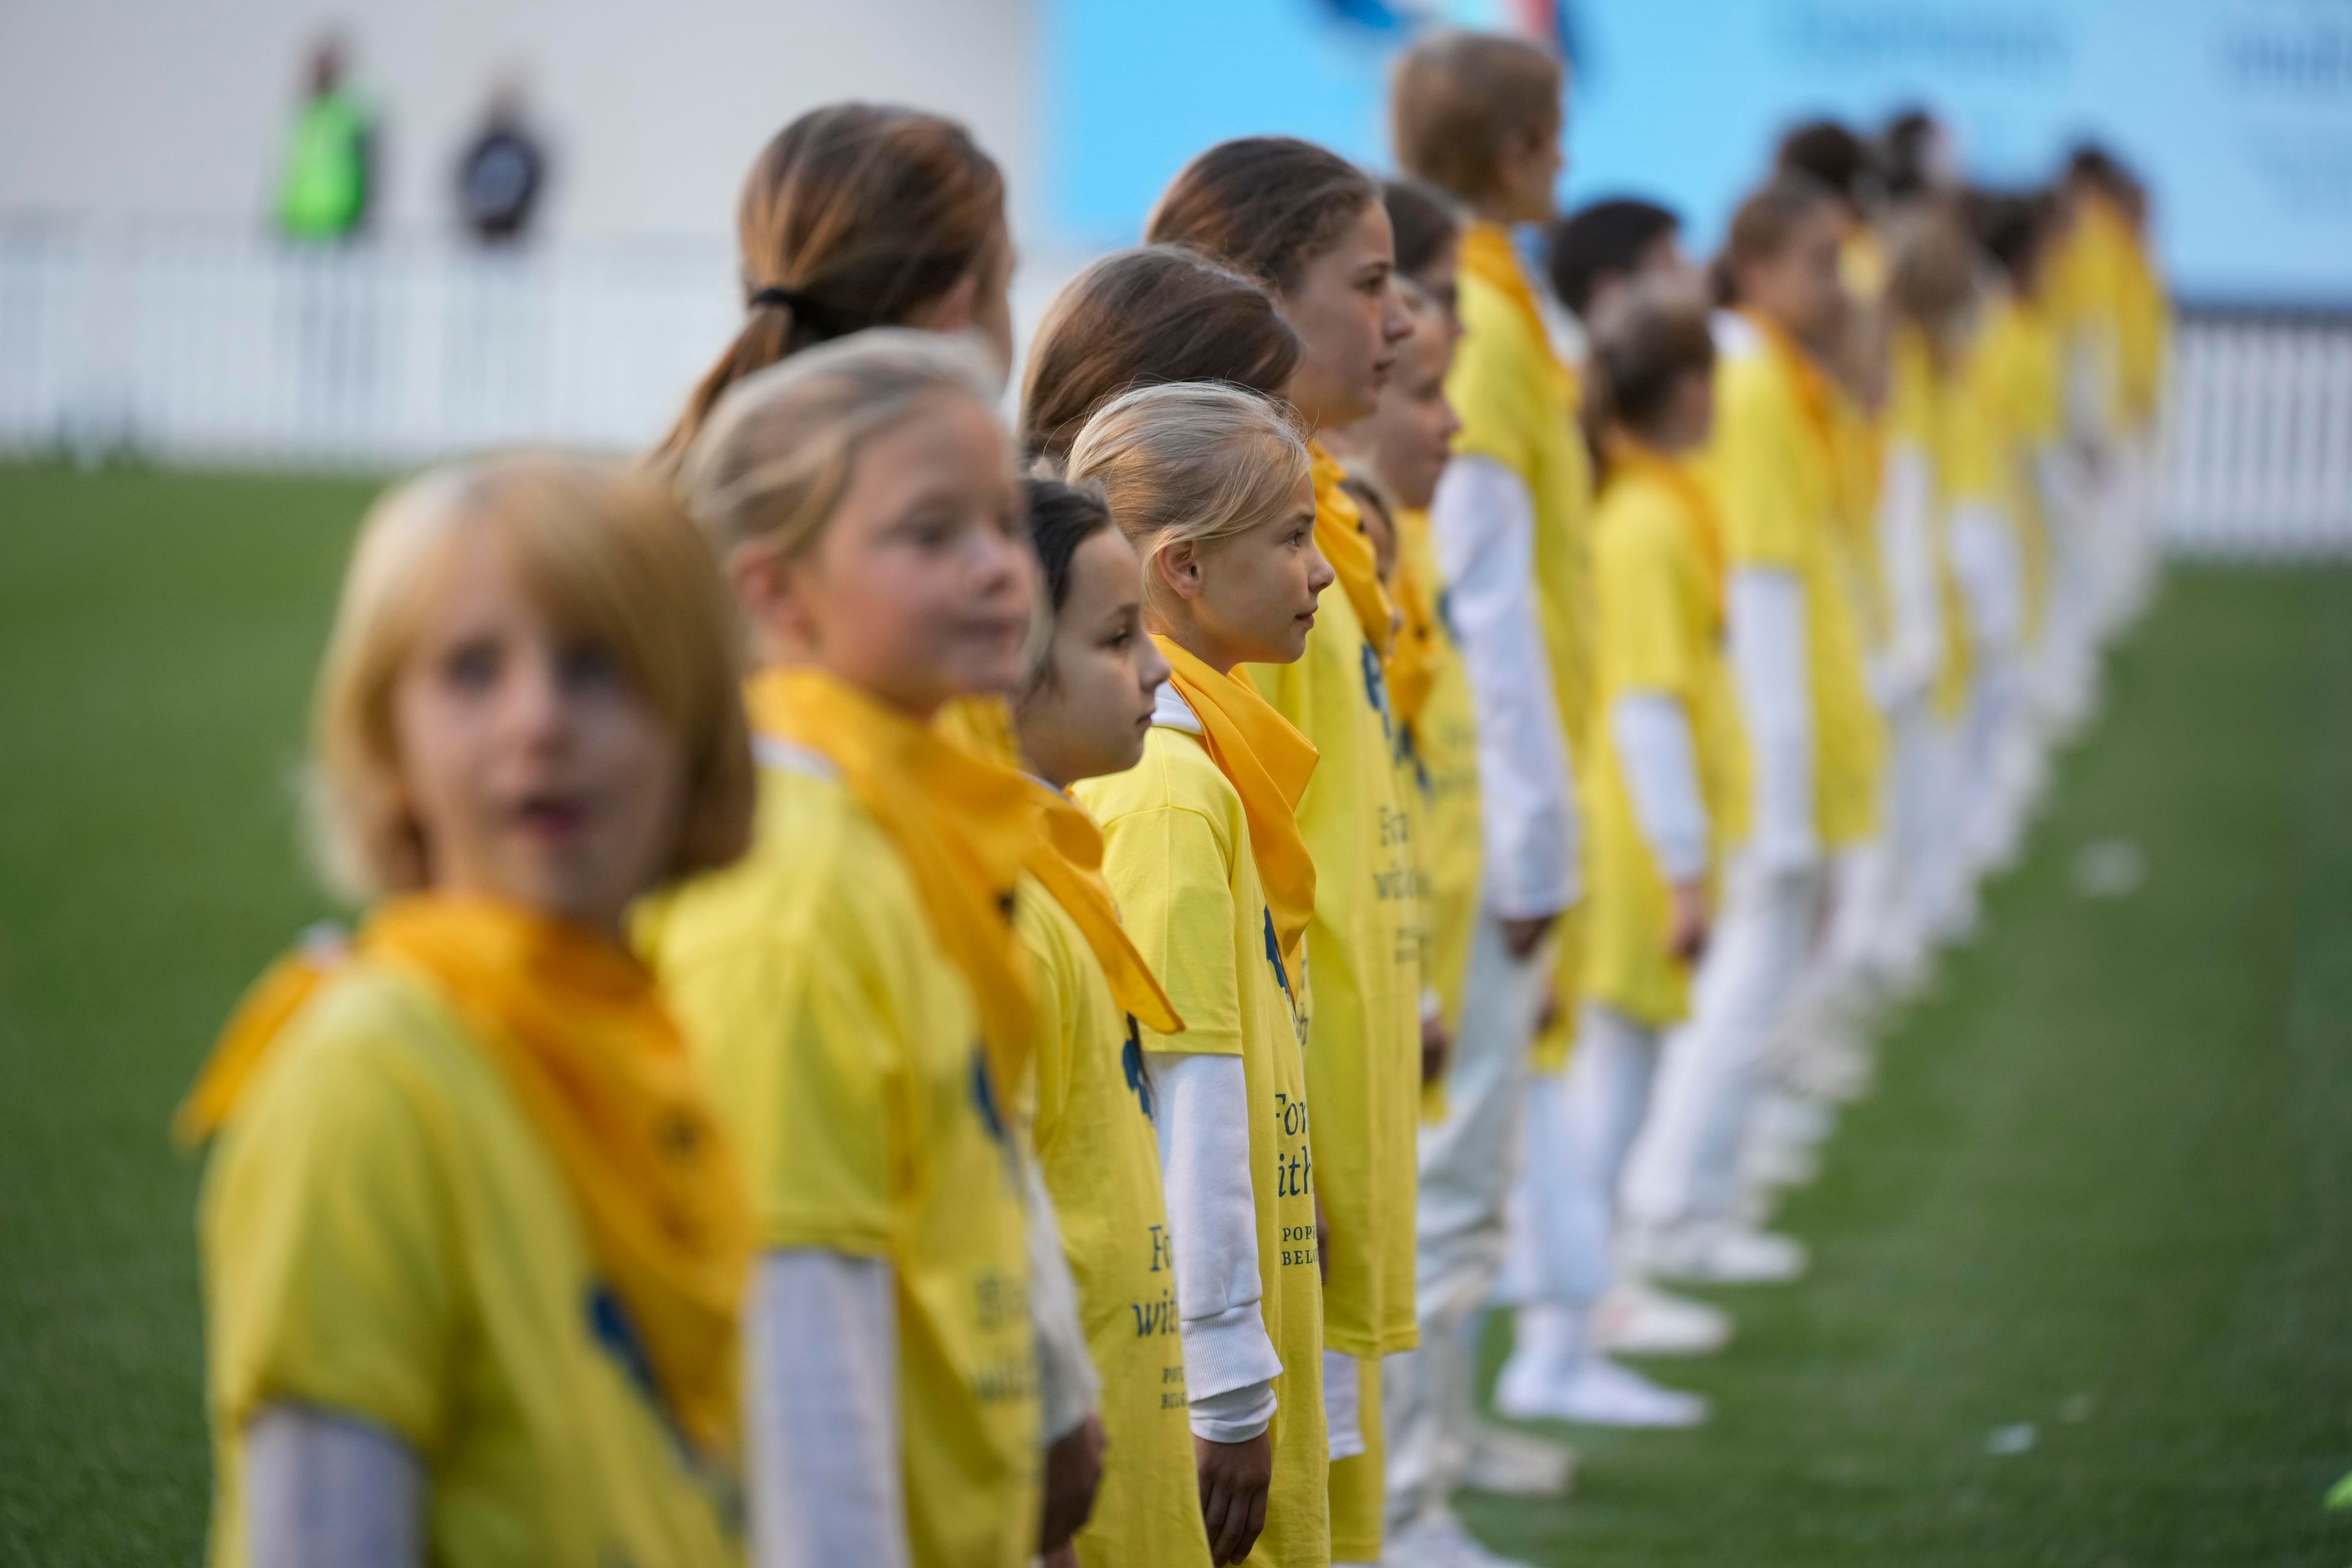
x=178 y=107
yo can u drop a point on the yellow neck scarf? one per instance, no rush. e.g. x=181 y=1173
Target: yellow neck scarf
x=1069 y=864
x=1487 y=255
x=1339 y=535
x=1268 y=764
x=964 y=826
x=1629 y=459
x=1411 y=665
x=577 y=1028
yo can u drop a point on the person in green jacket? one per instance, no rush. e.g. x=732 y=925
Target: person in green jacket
x=324 y=191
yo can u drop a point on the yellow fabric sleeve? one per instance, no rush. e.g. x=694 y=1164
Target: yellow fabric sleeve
x=1171 y=867
x=1639 y=567
x=1763 y=498
x=816 y=1117
x=333 y=1246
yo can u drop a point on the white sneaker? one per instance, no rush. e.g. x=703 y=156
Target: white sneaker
x=1438 y=1541
x=1722 y=1253
x=1516 y=1464
x=1634 y=1320
x=1597 y=1392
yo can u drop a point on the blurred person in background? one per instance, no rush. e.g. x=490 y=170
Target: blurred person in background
x=328 y=182
x=503 y=170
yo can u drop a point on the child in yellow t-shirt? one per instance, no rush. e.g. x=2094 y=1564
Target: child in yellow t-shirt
x=472 y=1241
x=1215 y=882
x=855 y=989
x=1084 y=713
x=1811 y=793
x=1312 y=226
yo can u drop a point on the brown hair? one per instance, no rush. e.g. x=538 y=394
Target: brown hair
x=607 y=554
x=1765 y=224
x=1266 y=206
x=1190 y=461
x=855 y=216
x=1456 y=99
x=1139 y=317
x=1930 y=266
x=781 y=448
x=1426 y=223
x=1642 y=343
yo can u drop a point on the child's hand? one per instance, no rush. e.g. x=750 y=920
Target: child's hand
x=1074 y=1468
x=1686 y=930
x=1434 y=1044
x=1322 y=1240
x=1522 y=937
x=1234 y=1480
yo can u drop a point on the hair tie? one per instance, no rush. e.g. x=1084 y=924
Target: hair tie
x=817 y=319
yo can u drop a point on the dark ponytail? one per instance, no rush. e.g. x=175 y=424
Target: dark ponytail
x=855 y=216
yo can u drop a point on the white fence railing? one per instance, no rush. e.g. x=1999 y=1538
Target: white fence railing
x=2258 y=459
x=187 y=343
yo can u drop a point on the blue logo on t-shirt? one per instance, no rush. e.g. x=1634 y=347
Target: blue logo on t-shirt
x=1376 y=687
x=983 y=1095
x=1274 y=954
x=1139 y=1078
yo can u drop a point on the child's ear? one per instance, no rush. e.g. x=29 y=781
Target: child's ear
x=1179 y=566
x=772 y=591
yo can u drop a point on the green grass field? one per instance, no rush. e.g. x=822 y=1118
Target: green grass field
x=2106 y=1188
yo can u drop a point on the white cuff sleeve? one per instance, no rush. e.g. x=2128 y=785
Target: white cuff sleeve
x=1067 y=1387
x=1343 y=1405
x=1204 y=1162
x=1653 y=740
x=822 y=1345
x=1483 y=522
x=1768 y=658
x=1236 y=1416
x=321 y=1487
x=1915 y=649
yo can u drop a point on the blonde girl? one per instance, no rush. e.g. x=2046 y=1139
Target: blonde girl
x=471 y=1241
x=1312 y=227
x=1082 y=714
x=1210 y=484
x=857 y=215
x=855 y=989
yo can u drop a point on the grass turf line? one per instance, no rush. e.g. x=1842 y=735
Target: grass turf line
x=2112 y=1158
x=2101 y=1188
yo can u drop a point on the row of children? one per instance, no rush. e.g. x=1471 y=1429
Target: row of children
x=855 y=934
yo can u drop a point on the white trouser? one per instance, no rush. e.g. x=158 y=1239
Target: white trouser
x=1610 y=1084
x=1468 y=1161
x=1985 y=553
x=1685 y=1163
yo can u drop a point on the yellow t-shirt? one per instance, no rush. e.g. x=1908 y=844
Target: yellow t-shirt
x=1938 y=412
x=844 y=1047
x=1177 y=856
x=1362 y=994
x=1773 y=472
x=1101 y=1159
x=2017 y=358
x=1657 y=635
x=1439 y=753
x=1520 y=406
x=384 y=1236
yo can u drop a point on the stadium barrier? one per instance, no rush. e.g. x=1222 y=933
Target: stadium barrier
x=194 y=344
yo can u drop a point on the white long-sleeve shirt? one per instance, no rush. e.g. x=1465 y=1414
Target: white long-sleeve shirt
x=1915 y=648
x=1230 y=1361
x=1770 y=667
x=1481 y=520
x=1653 y=733
x=324 y=1488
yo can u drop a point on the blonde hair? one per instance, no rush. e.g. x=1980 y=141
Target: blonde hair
x=1193 y=461
x=1456 y=99
x=608 y=555
x=773 y=463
